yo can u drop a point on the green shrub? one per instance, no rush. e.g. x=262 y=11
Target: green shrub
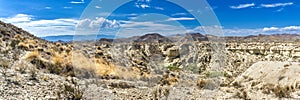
x=193 y=68
x=173 y=68
x=214 y=74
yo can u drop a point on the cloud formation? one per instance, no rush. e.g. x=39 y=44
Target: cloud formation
x=276 y=5
x=283 y=29
x=254 y=31
x=181 y=18
x=48 y=8
x=92 y=25
x=66 y=26
x=77 y=2
x=242 y=6
x=61 y=26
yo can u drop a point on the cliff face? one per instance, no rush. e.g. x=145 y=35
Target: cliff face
x=149 y=66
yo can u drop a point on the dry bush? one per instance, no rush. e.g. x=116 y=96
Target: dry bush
x=101 y=68
x=70 y=91
x=282 y=91
x=122 y=85
x=84 y=63
x=23 y=46
x=169 y=79
x=57 y=66
x=160 y=93
x=243 y=95
x=279 y=91
x=22 y=67
x=5 y=64
x=206 y=84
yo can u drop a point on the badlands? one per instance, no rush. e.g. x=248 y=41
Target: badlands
x=181 y=67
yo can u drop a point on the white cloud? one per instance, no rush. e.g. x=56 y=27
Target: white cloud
x=19 y=18
x=67 y=7
x=61 y=26
x=94 y=24
x=98 y=7
x=242 y=6
x=77 y=2
x=144 y=6
x=254 y=31
x=270 y=29
x=48 y=8
x=42 y=27
x=276 y=5
x=279 y=10
x=292 y=28
x=181 y=18
x=265 y=30
x=283 y=29
x=159 y=8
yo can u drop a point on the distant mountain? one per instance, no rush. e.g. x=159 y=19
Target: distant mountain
x=153 y=37
x=68 y=38
x=197 y=36
x=266 y=38
x=157 y=38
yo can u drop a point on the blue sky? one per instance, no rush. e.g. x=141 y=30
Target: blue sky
x=237 y=17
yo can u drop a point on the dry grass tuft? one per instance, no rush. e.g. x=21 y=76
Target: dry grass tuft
x=56 y=66
x=23 y=46
x=278 y=90
x=206 y=84
x=99 y=67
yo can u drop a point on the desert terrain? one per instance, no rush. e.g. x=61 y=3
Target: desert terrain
x=182 y=67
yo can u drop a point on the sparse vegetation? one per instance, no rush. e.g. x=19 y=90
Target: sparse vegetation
x=160 y=93
x=122 y=85
x=243 y=95
x=206 y=84
x=281 y=91
x=58 y=66
x=214 y=73
x=33 y=74
x=173 y=68
x=5 y=65
x=193 y=68
x=14 y=43
x=22 y=67
x=70 y=91
x=278 y=90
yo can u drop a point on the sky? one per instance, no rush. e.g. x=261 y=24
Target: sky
x=136 y=17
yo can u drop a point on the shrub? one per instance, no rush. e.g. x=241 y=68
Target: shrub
x=57 y=66
x=5 y=64
x=279 y=91
x=206 y=84
x=33 y=74
x=122 y=85
x=70 y=91
x=214 y=74
x=14 y=43
x=22 y=67
x=282 y=91
x=160 y=93
x=193 y=68
x=173 y=68
x=23 y=46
